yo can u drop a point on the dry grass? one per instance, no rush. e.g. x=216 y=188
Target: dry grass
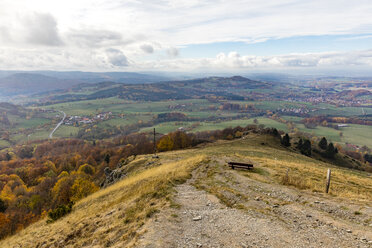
x=272 y=162
x=311 y=174
x=112 y=216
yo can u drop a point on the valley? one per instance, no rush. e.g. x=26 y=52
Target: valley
x=60 y=148
x=103 y=110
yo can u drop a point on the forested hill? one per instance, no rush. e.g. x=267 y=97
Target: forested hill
x=231 y=88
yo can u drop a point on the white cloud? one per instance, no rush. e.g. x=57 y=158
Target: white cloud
x=235 y=61
x=147 y=48
x=97 y=34
x=41 y=29
x=95 y=38
x=116 y=57
x=173 y=52
x=107 y=59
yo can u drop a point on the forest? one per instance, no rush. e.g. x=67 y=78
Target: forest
x=44 y=175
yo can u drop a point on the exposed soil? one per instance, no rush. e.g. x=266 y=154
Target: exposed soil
x=249 y=213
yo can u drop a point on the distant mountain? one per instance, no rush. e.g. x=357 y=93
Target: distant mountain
x=230 y=88
x=18 y=82
x=27 y=83
x=96 y=77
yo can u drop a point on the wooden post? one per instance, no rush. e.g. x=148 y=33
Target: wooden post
x=328 y=180
x=154 y=143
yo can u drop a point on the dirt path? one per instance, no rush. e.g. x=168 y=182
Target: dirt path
x=58 y=125
x=261 y=216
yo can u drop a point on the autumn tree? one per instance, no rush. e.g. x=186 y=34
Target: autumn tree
x=62 y=191
x=4 y=226
x=87 y=169
x=165 y=143
x=81 y=188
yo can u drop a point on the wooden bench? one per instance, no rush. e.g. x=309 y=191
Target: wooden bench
x=234 y=165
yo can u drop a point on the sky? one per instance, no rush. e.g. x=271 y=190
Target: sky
x=187 y=35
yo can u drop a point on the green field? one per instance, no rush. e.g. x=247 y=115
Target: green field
x=354 y=134
x=126 y=120
x=21 y=122
x=66 y=131
x=206 y=126
x=203 y=115
x=198 y=109
x=4 y=143
x=117 y=105
x=357 y=134
x=167 y=127
x=36 y=135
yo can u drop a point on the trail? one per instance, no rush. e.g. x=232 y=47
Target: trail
x=267 y=216
x=58 y=125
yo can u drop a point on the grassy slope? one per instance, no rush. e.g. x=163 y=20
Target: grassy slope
x=113 y=215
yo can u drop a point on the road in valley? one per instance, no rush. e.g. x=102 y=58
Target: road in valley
x=58 y=125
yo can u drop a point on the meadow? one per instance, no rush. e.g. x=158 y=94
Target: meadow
x=203 y=115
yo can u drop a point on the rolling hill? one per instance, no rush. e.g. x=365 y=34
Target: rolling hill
x=28 y=83
x=231 y=88
x=18 y=82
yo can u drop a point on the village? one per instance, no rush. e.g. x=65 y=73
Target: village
x=77 y=120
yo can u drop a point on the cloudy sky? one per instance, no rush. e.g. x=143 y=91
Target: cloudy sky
x=186 y=35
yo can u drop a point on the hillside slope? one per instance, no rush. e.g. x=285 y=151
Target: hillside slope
x=190 y=198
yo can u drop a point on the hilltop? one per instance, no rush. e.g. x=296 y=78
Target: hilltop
x=190 y=198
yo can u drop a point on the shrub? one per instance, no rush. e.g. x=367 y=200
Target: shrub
x=59 y=212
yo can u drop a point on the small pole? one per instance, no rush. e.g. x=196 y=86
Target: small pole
x=154 y=143
x=328 y=180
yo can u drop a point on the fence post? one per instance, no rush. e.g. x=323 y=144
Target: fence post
x=328 y=180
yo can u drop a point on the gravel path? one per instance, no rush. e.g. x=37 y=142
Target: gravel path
x=58 y=125
x=264 y=221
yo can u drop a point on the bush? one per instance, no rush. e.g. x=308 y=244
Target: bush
x=59 y=212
